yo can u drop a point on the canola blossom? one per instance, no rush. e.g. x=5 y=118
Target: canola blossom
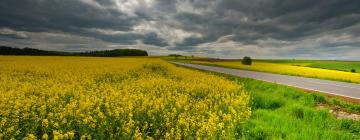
x=290 y=70
x=115 y=98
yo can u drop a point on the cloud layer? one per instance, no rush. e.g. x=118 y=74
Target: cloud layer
x=321 y=29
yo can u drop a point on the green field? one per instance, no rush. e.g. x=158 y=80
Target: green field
x=324 y=64
x=282 y=112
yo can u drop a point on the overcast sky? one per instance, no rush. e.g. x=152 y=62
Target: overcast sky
x=306 y=29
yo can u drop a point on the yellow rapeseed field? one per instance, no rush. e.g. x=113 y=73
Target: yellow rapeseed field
x=115 y=98
x=289 y=70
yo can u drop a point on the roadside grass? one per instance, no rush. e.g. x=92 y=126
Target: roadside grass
x=282 y=112
x=285 y=69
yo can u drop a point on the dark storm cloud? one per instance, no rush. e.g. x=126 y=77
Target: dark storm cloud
x=153 y=39
x=299 y=28
x=72 y=17
x=280 y=19
x=67 y=16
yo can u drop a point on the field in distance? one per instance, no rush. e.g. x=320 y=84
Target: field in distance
x=331 y=70
x=346 y=66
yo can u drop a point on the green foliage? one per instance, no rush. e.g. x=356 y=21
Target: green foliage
x=106 y=53
x=261 y=102
x=115 y=53
x=175 y=55
x=353 y=70
x=319 y=98
x=246 y=60
x=4 y=50
x=281 y=112
x=298 y=112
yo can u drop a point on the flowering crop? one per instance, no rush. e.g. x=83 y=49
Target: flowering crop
x=115 y=98
x=289 y=70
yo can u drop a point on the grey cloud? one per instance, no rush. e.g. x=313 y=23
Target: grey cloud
x=68 y=16
x=153 y=39
x=9 y=33
x=285 y=20
x=185 y=25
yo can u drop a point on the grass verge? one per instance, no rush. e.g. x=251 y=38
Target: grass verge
x=281 y=112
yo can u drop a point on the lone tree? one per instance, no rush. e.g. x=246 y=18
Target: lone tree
x=175 y=55
x=246 y=60
x=353 y=70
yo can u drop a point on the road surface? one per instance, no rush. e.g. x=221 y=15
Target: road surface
x=349 y=90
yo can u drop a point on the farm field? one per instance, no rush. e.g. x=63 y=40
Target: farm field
x=324 y=64
x=285 y=67
x=149 y=98
x=115 y=98
x=179 y=70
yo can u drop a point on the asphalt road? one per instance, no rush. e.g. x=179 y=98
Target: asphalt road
x=350 y=90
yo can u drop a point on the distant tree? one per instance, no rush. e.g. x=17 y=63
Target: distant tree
x=175 y=55
x=353 y=70
x=4 y=50
x=105 y=53
x=246 y=60
x=115 y=53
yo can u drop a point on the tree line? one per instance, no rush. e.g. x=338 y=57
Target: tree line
x=5 y=50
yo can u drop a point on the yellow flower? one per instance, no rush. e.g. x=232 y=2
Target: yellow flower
x=31 y=137
x=70 y=134
x=45 y=122
x=85 y=137
x=45 y=137
x=131 y=97
x=137 y=135
x=56 y=125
